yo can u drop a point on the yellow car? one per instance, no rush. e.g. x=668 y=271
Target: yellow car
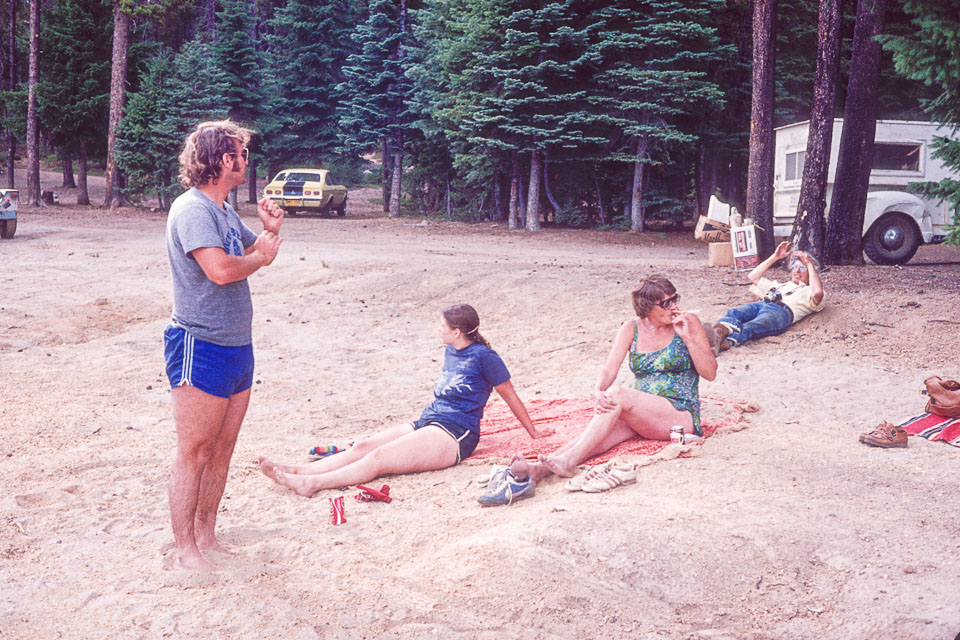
x=308 y=190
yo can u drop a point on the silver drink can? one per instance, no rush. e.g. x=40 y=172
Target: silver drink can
x=676 y=434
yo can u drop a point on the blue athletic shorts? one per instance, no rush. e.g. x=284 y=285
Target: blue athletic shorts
x=466 y=440
x=219 y=371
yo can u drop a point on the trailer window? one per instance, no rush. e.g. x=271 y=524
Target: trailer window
x=896 y=157
x=795 y=165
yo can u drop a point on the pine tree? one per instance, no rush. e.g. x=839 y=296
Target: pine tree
x=930 y=55
x=32 y=192
x=760 y=170
x=652 y=78
x=808 y=226
x=74 y=92
x=145 y=147
x=175 y=93
x=843 y=240
x=373 y=111
x=306 y=70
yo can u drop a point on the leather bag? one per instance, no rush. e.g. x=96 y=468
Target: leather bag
x=944 y=397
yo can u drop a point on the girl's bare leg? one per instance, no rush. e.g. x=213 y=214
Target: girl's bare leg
x=426 y=449
x=338 y=460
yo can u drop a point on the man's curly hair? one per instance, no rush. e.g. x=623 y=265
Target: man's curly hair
x=201 y=160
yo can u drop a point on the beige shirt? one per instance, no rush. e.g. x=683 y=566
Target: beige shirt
x=797 y=297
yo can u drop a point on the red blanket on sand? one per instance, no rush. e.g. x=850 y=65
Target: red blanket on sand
x=501 y=435
x=929 y=426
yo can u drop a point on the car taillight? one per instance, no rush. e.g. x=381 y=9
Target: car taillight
x=308 y=193
x=269 y=192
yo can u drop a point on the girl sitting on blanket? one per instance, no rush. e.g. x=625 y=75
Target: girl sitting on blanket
x=446 y=432
x=668 y=353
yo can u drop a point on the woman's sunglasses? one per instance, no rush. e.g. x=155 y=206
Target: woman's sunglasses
x=665 y=304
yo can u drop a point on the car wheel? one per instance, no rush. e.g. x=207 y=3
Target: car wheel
x=8 y=228
x=342 y=209
x=893 y=239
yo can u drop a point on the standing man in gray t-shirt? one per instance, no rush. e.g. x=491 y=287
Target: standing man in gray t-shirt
x=208 y=343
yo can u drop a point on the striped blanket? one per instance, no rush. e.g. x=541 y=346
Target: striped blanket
x=934 y=427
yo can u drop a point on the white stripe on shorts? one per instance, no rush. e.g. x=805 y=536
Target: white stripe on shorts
x=187 y=360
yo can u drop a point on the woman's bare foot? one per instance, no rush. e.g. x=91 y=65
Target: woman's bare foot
x=300 y=484
x=558 y=467
x=195 y=562
x=268 y=468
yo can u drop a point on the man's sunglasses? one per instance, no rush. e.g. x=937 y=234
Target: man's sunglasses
x=245 y=153
x=665 y=304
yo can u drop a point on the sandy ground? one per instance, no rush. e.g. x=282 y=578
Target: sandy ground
x=788 y=528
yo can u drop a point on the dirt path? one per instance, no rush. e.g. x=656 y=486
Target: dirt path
x=786 y=529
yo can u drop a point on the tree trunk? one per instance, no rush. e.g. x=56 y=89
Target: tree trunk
x=546 y=184
x=83 y=197
x=118 y=94
x=33 y=141
x=760 y=169
x=397 y=178
x=233 y=199
x=808 y=227
x=11 y=83
x=497 y=196
x=252 y=181
x=386 y=162
x=603 y=212
x=636 y=193
x=533 y=192
x=513 y=214
x=700 y=188
x=449 y=204
x=843 y=243
x=67 y=162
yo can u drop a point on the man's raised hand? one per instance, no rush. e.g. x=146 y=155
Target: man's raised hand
x=271 y=215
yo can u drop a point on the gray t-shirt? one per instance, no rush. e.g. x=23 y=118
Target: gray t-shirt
x=215 y=313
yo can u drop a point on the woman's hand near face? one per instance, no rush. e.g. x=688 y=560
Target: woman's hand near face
x=681 y=324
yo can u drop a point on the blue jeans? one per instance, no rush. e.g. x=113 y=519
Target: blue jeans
x=756 y=320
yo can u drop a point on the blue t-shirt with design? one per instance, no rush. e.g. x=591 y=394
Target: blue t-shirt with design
x=463 y=388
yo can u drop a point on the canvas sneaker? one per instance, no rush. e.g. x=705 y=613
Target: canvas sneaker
x=508 y=491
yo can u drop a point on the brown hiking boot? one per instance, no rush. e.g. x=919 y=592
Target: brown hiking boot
x=885 y=436
x=712 y=338
x=721 y=331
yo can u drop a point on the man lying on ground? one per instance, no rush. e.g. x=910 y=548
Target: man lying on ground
x=780 y=304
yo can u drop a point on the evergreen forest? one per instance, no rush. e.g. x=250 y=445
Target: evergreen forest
x=580 y=113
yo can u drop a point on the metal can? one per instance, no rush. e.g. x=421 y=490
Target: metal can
x=676 y=434
x=337 y=515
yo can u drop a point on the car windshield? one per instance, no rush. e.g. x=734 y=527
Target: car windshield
x=303 y=177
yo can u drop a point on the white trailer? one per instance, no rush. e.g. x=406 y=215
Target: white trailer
x=895 y=222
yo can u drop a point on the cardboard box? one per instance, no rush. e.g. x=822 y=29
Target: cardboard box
x=743 y=241
x=709 y=230
x=719 y=254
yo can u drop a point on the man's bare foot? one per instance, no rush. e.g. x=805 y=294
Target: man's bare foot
x=300 y=484
x=268 y=468
x=211 y=544
x=195 y=562
x=557 y=467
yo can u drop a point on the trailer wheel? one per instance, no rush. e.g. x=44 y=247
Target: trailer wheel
x=8 y=228
x=893 y=239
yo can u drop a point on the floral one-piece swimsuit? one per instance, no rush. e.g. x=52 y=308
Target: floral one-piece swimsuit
x=669 y=373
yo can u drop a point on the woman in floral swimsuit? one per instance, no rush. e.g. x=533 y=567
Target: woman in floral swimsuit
x=668 y=352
